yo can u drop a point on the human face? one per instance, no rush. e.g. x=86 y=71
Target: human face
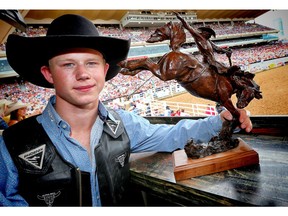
x=78 y=76
x=22 y=112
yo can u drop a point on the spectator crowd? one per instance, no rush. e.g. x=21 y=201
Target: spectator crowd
x=122 y=85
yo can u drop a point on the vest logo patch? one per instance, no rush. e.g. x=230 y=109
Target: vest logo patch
x=121 y=159
x=113 y=125
x=35 y=156
x=49 y=198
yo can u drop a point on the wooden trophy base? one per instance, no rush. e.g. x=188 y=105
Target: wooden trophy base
x=185 y=167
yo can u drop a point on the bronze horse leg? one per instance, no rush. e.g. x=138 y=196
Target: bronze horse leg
x=228 y=127
x=133 y=67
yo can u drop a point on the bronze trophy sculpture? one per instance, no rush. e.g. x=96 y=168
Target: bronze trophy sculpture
x=208 y=79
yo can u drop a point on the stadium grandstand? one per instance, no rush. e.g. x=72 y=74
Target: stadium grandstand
x=255 y=46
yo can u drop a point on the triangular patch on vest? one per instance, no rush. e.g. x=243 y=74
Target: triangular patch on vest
x=35 y=156
x=121 y=159
x=113 y=125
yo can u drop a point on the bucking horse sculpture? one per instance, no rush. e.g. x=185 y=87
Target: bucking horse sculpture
x=201 y=79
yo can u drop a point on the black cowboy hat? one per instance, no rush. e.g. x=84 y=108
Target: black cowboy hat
x=207 y=29
x=67 y=31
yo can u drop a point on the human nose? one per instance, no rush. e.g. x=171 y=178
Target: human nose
x=81 y=72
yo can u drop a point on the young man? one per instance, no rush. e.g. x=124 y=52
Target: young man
x=77 y=151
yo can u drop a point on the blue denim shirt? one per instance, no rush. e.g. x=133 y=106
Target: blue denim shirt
x=3 y=124
x=144 y=137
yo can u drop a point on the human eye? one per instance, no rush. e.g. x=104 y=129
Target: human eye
x=92 y=63
x=68 y=65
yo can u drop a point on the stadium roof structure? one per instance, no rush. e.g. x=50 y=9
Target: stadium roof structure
x=118 y=14
x=115 y=16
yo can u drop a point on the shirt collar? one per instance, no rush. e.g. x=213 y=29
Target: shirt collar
x=103 y=113
x=51 y=114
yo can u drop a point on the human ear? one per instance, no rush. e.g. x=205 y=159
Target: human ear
x=47 y=74
x=106 y=68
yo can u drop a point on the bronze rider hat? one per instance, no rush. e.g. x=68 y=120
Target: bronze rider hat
x=207 y=29
x=67 y=31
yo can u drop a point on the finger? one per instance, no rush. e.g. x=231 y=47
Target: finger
x=227 y=115
x=247 y=125
x=248 y=128
x=243 y=115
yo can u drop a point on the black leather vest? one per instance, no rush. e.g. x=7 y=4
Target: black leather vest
x=46 y=179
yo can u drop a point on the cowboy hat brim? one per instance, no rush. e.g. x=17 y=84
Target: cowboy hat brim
x=14 y=106
x=41 y=49
x=5 y=102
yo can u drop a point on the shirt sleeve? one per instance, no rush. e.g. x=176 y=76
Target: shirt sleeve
x=146 y=137
x=8 y=179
